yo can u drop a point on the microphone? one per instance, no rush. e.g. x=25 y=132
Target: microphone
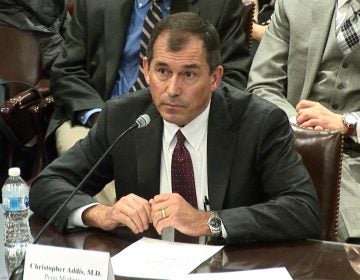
x=140 y=122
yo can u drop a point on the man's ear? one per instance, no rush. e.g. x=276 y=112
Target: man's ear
x=146 y=67
x=217 y=76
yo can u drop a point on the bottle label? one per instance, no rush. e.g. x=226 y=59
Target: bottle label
x=16 y=203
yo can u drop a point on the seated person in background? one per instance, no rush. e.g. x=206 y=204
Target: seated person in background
x=312 y=74
x=238 y=153
x=101 y=57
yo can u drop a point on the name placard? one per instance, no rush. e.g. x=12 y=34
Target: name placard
x=58 y=263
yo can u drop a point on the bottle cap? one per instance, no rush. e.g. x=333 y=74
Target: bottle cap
x=14 y=171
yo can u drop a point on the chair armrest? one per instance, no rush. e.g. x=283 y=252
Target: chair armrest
x=26 y=98
x=22 y=113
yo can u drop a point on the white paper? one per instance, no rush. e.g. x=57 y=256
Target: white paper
x=278 y=273
x=153 y=258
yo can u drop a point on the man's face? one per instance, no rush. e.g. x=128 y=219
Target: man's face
x=180 y=82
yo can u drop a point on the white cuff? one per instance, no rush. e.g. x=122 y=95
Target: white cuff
x=75 y=216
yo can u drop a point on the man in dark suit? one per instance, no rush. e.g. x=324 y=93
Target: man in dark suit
x=243 y=160
x=100 y=51
x=100 y=60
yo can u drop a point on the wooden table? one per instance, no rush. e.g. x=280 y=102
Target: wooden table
x=310 y=259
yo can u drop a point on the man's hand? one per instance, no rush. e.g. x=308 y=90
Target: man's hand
x=179 y=215
x=315 y=116
x=132 y=211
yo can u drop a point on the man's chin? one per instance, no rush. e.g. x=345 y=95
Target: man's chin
x=174 y=119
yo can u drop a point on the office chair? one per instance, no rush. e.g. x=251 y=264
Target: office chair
x=322 y=152
x=27 y=105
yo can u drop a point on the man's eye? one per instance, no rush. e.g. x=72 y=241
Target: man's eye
x=163 y=72
x=190 y=77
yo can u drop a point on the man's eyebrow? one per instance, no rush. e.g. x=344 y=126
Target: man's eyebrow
x=190 y=66
x=159 y=63
x=193 y=65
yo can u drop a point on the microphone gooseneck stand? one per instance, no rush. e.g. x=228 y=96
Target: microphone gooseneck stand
x=141 y=121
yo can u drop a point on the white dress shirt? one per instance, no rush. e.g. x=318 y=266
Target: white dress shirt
x=196 y=142
x=343 y=12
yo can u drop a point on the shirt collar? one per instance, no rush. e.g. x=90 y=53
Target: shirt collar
x=141 y=3
x=193 y=131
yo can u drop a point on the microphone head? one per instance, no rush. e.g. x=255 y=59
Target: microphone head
x=142 y=121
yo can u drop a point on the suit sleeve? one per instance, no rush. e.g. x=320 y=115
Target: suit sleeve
x=58 y=180
x=290 y=208
x=268 y=73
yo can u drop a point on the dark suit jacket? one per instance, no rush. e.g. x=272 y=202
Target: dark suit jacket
x=84 y=73
x=255 y=178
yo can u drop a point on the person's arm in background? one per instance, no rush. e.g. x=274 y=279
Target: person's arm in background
x=258 y=31
x=71 y=84
x=268 y=74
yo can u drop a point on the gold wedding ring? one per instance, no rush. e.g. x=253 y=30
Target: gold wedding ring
x=163 y=213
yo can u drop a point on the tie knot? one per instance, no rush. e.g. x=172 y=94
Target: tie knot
x=180 y=138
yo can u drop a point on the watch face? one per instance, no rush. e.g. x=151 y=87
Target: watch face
x=215 y=222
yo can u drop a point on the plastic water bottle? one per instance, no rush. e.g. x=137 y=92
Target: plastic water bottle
x=15 y=195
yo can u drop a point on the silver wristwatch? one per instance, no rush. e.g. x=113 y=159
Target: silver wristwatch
x=350 y=121
x=215 y=224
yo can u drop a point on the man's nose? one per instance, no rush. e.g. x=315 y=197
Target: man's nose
x=174 y=85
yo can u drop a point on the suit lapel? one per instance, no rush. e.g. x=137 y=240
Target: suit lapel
x=148 y=141
x=322 y=15
x=221 y=144
x=116 y=19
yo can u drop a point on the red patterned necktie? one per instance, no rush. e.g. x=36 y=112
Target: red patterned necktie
x=182 y=172
x=153 y=16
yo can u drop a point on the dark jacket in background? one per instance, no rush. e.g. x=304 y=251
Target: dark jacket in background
x=47 y=19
